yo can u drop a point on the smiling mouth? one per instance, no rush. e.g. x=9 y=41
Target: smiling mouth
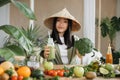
x=60 y=27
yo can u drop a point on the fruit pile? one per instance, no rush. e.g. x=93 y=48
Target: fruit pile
x=90 y=71
x=8 y=72
x=107 y=70
x=74 y=71
x=77 y=71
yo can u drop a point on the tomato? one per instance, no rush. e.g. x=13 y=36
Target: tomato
x=50 y=72
x=62 y=70
x=54 y=73
x=61 y=73
x=57 y=70
x=14 y=78
x=46 y=72
x=20 y=77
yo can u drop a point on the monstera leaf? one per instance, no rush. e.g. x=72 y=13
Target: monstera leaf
x=109 y=27
x=84 y=45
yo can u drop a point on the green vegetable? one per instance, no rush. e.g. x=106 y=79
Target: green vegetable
x=55 y=78
x=37 y=73
x=28 y=78
x=93 y=66
x=84 y=45
x=9 y=71
x=68 y=71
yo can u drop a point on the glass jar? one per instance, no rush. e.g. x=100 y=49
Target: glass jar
x=19 y=61
x=33 y=63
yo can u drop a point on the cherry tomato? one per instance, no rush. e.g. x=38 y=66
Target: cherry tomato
x=14 y=78
x=46 y=72
x=61 y=73
x=50 y=72
x=54 y=73
x=62 y=70
x=20 y=77
x=57 y=70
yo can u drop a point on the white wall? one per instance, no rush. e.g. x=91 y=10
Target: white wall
x=118 y=33
x=4 y=19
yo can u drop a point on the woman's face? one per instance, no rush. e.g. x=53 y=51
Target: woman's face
x=61 y=25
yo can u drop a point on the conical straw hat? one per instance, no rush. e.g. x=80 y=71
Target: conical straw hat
x=64 y=14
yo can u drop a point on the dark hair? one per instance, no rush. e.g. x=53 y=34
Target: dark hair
x=67 y=37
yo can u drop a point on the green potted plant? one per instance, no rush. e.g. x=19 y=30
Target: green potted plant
x=109 y=27
x=22 y=46
x=22 y=41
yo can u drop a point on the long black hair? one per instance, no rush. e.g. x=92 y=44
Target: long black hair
x=67 y=35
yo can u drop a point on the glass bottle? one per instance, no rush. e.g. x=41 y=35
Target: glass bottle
x=109 y=58
x=50 y=44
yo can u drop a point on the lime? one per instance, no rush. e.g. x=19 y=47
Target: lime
x=103 y=70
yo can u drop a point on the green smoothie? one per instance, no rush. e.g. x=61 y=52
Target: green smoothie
x=52 y=48
x=52 y=53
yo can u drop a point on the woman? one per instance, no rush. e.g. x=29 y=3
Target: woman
x=62 y=24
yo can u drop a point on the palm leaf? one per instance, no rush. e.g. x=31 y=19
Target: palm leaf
x=4 y=2
x=31 y=33
x=19 y=36
x=10 y=51
x=24 y=9
x=7 y=54
x=17 y=50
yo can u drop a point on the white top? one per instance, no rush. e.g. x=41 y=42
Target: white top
x=63 y=51
x=76 y=60
x=87 y=58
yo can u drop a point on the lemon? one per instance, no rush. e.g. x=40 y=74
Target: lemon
x=103 y=71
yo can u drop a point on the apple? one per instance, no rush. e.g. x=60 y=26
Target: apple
x=48 y=65
x=78 y=71
x=109 y=66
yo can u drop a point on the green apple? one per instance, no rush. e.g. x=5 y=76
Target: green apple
x=109 y=66
x=48 y=65
x=78 y=71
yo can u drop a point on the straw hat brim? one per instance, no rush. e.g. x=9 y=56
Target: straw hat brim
x=63 y=14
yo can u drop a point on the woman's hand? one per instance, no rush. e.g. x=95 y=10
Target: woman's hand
x=46 y=51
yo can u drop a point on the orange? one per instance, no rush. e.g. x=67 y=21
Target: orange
x=24 y=71
x=1 y=70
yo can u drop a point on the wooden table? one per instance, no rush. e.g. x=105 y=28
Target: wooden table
x=97 y=78
x=83 y=78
